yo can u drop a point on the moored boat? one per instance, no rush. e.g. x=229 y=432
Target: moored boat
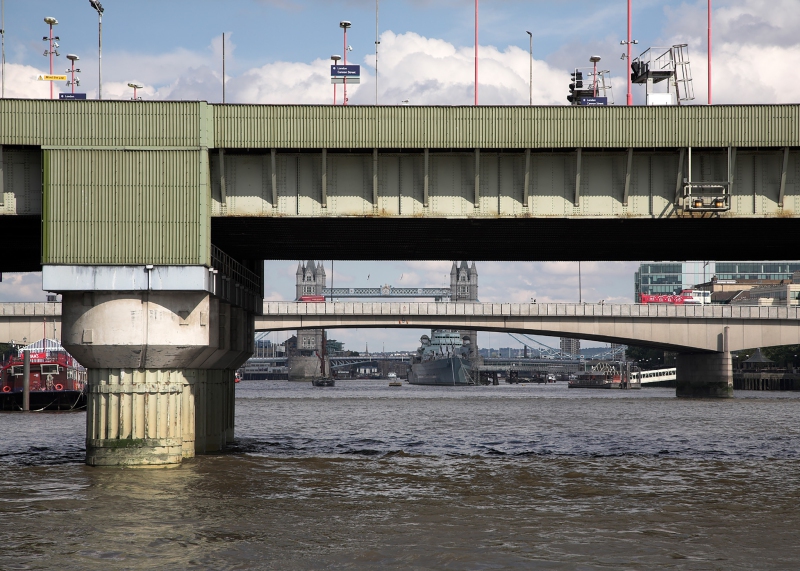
x=442 y=360
x=604 y=376
x=57 y=380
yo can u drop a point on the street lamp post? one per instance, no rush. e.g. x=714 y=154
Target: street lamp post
x=135 y=86
x=530 y=80
x=627 y=56
x=594 y=60
x=73 y=82
x=344 y=24
x=50 y=21
x=99 y=7
x=335 y=59
x=709 y=52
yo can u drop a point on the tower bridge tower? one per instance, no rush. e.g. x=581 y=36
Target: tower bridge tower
x=310 y=279
x=464 y=287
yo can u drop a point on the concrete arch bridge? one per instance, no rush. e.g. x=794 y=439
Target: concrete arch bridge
x=703 y=336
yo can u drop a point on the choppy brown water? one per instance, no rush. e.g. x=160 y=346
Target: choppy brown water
x=365 y=476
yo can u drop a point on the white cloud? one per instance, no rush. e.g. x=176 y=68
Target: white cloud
x=22 y=286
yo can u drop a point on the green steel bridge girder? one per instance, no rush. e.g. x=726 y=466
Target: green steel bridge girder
x=139 y=182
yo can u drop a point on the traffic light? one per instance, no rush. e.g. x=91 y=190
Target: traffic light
x=577 y=83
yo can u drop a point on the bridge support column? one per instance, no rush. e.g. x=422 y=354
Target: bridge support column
x=705 y=375
x=161 y=372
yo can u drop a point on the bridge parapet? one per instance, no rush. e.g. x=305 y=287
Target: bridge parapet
x=533 y=310
x=30 y=309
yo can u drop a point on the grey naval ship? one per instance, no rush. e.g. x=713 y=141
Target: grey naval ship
x=443 y=359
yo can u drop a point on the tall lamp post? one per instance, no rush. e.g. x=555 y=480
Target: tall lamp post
x=530 y=80
x=72 y=71
x=594 y=60
x=709 y=52
x=335 y=59
x=99 y=7
x=344 y=24
x=627 y=56
x=50 y=21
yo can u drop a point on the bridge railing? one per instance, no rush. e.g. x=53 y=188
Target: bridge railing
x=532 y=310
x=30 y=309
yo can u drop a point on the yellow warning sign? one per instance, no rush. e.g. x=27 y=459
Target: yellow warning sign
x=52 y=78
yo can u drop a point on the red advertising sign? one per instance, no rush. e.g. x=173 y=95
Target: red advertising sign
x=672 y=299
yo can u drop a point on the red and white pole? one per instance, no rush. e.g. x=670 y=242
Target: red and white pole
x=344 y=81
x=630 y=94
x=51 y=59
x=476 y=52
x=709 y=52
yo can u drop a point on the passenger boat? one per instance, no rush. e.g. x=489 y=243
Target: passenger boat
x=393 y=381
x=604 y=376
x=57 y=380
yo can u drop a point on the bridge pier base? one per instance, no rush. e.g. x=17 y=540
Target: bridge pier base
x=161 y=369
x=705 y=375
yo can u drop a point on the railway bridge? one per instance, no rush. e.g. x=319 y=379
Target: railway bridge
x=152 y=219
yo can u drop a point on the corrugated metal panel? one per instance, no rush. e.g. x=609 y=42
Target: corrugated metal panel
x=298 y=126
x=123 y=207
x=100 y=123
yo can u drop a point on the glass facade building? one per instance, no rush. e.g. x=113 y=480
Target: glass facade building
x=756 y=270
x=671 y=277
x=658 y=278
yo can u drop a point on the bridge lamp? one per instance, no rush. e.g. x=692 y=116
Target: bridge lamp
x=344 y=25
x=73 y=82
x=50 y=21
x=99 y=7
x=335 y=59
x=135 y=86
x=594 y=60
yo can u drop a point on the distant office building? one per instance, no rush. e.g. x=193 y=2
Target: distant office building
x=756 y=270
x=571 y=346
x=672 y=277
x=658 y=278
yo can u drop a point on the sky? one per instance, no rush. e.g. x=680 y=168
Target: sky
x=278 y=51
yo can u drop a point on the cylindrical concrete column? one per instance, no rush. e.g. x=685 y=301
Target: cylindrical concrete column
x=134 y=417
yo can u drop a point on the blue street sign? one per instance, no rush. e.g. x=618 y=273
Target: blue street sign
x=71 y=96
x=345 y=70
x=594 y=101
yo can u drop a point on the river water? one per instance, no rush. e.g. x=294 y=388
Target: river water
x=365 y=476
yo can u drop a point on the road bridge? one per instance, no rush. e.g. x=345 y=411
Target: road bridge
x=703 y=336
x=152 y=219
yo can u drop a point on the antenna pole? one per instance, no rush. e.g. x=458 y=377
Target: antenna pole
x=709 y=52
x=3 y=49
x=376 y=51
x=476 y=52
x=223 y=67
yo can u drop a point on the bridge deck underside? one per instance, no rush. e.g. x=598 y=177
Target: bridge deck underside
x=516 y=239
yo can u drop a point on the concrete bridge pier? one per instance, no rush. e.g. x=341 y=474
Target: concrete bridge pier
x=161 y=372
x=706 y=375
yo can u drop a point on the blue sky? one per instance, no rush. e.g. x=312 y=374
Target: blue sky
x=278 y=50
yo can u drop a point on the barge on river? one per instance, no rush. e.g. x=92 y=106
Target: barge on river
x=57 y=380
